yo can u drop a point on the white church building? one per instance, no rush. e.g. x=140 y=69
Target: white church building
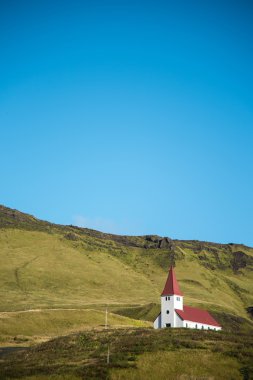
x=175 y=314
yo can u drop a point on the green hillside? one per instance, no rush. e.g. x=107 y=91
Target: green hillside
x=49 y=266
x=135 y=354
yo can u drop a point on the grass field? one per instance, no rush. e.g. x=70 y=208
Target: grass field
x=33 y=326
x=181 y=365
x=136 y=354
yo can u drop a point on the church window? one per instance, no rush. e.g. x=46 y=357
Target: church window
x=178 y=298
x=196 y=326
x=202 y=327
x=167 y=311
x=186 y=325
x=168 y=298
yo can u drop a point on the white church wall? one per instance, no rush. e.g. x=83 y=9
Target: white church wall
x=157 y=322
x=199 y=326
x=178 y=302
x=178 y=321
x=167 y=314
x=168 y=306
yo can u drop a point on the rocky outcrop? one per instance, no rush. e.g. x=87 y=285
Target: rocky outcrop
x=161 y=242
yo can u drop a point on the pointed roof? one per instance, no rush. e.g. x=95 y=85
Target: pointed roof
x=171 y=286
x=193 y=314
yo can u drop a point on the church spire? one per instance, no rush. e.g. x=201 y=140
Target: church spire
x=171 y=286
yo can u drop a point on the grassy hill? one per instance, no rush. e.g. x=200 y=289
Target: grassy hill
x=45 y=266
x=136 y=354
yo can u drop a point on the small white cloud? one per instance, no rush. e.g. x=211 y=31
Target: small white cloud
x=100 y=224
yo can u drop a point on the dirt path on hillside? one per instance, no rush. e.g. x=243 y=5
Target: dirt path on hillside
x=4 y=313
x=17 y=273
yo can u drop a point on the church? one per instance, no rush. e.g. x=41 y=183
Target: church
x=175 y=314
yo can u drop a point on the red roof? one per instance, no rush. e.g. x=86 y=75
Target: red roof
x=171 y=285
x=196 y=315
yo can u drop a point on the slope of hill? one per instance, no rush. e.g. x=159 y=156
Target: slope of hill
x=135 y=354
x=45 y=266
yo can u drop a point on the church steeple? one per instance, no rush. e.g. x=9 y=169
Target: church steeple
x=171 y=286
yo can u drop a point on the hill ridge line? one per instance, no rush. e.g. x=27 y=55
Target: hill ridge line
x=19 y=217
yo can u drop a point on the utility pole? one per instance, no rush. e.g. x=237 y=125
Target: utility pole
x=106 y=327
x=108 y=354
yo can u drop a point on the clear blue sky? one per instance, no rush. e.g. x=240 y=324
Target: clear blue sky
x=132 y=117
